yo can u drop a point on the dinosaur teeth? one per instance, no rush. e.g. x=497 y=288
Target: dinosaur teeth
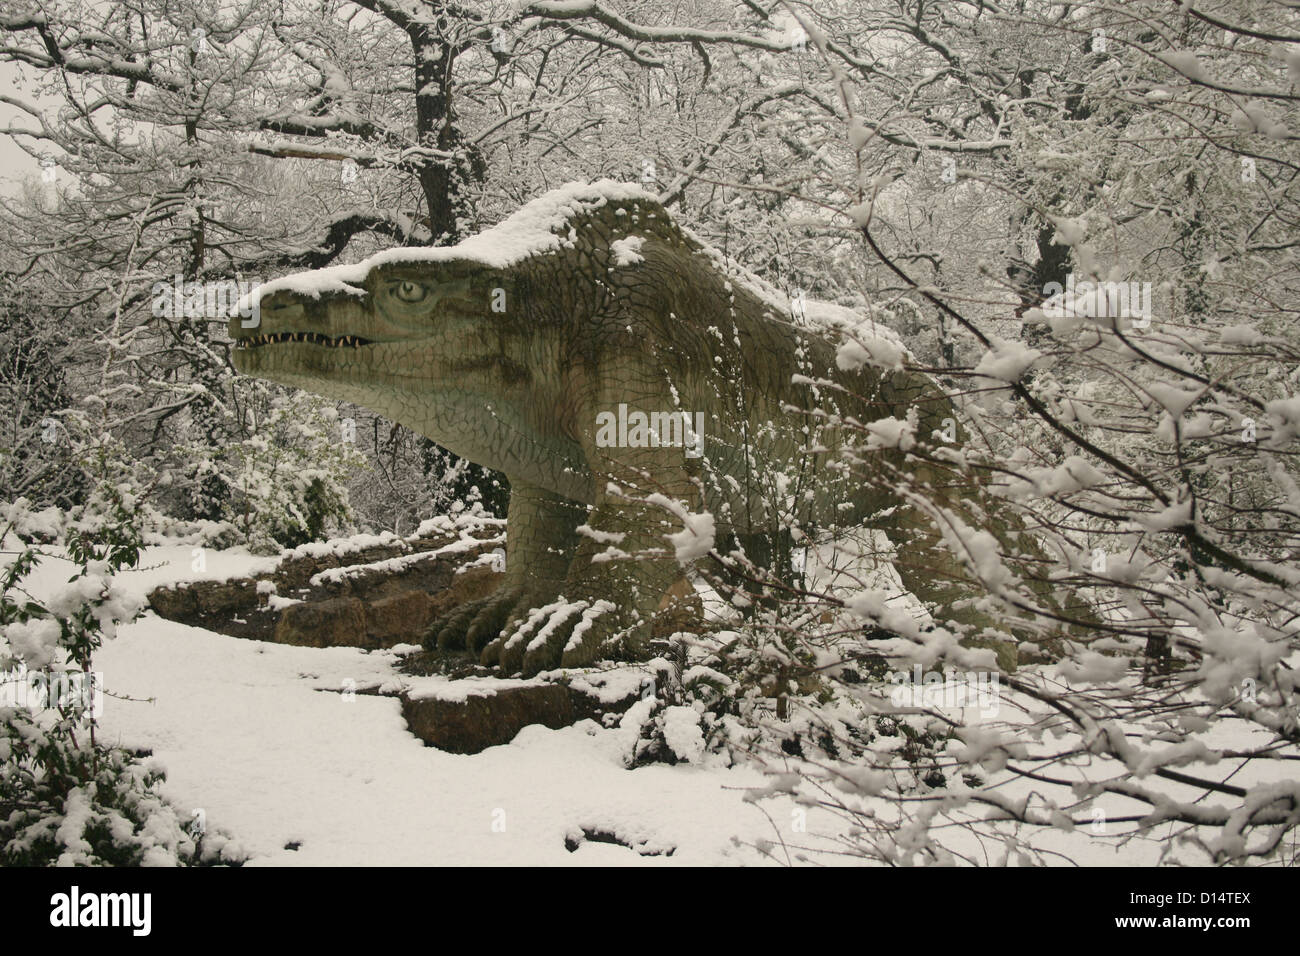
x=311 y=338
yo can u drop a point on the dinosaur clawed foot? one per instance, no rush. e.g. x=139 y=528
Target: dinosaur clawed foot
x=516 y=630
x=559 y=634
x=472 y=625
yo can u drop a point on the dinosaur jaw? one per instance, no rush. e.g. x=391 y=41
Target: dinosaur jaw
x=475 y=407
x=412 y=380
x=333 y=365
x=264 y=340
x=297 y=357
x=337 y=343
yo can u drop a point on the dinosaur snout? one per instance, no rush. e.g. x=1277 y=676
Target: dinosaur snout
x=246 y=321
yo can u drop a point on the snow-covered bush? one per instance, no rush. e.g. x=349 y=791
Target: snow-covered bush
x=288 y=479
x=68 y=805
x=687 y=713
x=65 y=798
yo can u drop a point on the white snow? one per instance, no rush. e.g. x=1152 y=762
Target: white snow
x=1074 y=474
x=859 y=135
x=627 y=252
x=1177 y=515
x=439 y=688
x=866 y=346
x=584 y=625
x=1184 y=61
x=1006 y=361
x=267 y=742
x=530 y=231
x=1286 y=414
x=259 y=736
x=1069 y=232
x=682 y=733
x=1091 y=667
x=273 y=755
x=696 y=539
x=1254 y=117
x=861 y=213
x=1239 y=335
x=892 y=432
x=340 y=546
x=1175 y=400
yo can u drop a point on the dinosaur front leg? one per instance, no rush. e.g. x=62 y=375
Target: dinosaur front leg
x=972 y=539
x=939 y=558
x=605 y=605
x=624 y=563
x=540 y=544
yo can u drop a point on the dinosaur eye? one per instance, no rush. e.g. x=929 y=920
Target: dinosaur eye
x=409 y=291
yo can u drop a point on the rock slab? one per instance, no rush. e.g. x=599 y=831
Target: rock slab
x=472 y=723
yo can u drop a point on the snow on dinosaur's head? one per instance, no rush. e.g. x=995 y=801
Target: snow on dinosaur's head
x=539 y=227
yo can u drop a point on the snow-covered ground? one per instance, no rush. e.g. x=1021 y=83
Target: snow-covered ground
x=265 y=742
x=260 y=738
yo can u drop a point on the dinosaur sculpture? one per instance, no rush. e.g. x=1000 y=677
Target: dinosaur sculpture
x=536 y=348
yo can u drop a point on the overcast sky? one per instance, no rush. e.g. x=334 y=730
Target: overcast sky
x=15 y=165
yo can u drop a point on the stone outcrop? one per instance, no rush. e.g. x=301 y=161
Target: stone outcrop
x=334 y=622
x=476 y=722
x=375 y=596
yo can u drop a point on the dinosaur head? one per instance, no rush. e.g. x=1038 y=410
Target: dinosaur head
x=461 y=343
x=429 y=319
x=381 y=327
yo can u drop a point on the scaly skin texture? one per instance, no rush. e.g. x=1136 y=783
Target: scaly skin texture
x=519 y=391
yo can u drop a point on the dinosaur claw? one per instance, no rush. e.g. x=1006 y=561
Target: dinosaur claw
x=562 y=633
x=448 y=632
x=509 y=655
x=490 y=619
x=492 y=655
x=546 y=647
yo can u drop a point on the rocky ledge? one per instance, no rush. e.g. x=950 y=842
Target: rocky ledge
x=370 y=593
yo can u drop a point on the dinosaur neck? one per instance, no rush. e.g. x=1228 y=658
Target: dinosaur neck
x=507 y=436
x=504 y=411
